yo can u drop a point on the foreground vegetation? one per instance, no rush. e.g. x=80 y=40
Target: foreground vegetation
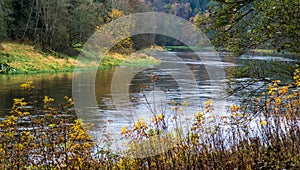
x=37 y=135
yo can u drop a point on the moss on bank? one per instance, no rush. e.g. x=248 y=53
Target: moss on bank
x=16 y=58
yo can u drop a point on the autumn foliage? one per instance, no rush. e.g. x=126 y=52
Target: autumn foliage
x=38 y=136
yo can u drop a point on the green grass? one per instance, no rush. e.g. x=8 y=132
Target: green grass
x=25 y=59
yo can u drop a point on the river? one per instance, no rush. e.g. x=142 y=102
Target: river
x=186 y=79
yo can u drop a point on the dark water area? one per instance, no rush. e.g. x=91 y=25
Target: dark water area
x=54 y=85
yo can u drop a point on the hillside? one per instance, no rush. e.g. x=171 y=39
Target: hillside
x=19 y=58
x=16 y=58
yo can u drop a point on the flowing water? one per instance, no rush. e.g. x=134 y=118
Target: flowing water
x=121 y=100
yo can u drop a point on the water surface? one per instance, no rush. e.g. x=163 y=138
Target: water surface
x=111 y=114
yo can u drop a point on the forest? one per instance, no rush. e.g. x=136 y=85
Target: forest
x=64 y=25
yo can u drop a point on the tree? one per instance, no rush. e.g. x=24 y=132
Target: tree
x=5 y=11
x=50 y=25
x=241 y=25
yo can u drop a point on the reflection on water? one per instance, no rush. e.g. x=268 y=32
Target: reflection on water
x=111 y=115
x=60 y=84
x=55 y=85
x=121 y=100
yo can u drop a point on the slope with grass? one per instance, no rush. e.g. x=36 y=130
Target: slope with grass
x=16 y=58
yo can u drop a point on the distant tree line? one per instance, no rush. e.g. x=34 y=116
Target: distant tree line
x=60 y=26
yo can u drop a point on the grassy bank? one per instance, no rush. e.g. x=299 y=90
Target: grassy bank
x=16 y=58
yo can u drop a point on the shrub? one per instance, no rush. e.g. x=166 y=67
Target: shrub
x=37 y=135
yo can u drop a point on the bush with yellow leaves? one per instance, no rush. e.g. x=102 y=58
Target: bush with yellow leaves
x=267 y=137
x=44 y=137
x=121 y=29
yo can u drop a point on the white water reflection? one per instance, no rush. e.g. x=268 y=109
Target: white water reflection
x=266 y=58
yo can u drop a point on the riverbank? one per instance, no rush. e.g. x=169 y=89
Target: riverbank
x=16 y=58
